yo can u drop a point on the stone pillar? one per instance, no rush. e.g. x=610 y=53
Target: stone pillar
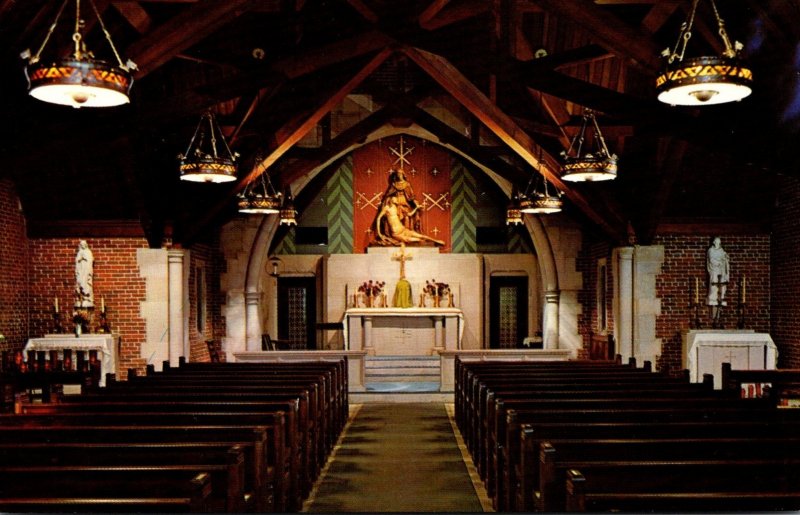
x=367 y=321
x=625 y=303
x=253 y=321
x=438 y=335
x=550 y=325
x=647 y=263
x=176 y=311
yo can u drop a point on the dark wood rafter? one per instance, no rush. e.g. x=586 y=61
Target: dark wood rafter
x=504 y=127
x=364 y=10
x=629 y=43
x=292 y=132
x=430 y=12
x=182 y=32
x=670 y=158
x=135 y=14
x=457 y=12
x=658 y=15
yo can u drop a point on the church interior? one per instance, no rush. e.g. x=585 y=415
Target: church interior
x=436 y=255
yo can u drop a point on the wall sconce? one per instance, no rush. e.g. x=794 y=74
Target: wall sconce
x=275 y=266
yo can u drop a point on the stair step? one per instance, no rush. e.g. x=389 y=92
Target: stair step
x=402 y=371
x=403 y=378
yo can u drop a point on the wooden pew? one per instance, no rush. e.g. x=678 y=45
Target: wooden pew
x=240 y=489
x=558 y=456
x=87 y=489
x=783 y=383
x=698 y=486
x=274 y=460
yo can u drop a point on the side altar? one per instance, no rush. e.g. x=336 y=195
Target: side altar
x=403 y=331
x=704 y=351
x=104 y=344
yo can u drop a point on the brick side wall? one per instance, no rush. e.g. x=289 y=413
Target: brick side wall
x=205 y=262
x=592 y=252
x=685 y=260
x=786 y=274
x=14 y=270
x=116 y=279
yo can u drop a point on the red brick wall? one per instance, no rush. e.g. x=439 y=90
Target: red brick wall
x=116 y=279
x=208 y=259
x=591 y=253
x=685 y=260
x=786 y=274
x=14 y=270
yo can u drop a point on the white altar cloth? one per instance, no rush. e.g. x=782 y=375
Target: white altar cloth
x=104 y=344
x=403 y=330
x=705 y=350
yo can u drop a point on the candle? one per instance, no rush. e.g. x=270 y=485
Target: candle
x=102 y=304
x=744 y=289
x=55 y=304
x=696 y=290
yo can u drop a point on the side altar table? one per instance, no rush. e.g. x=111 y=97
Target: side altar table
x=704 y=351
x=104 y=344
x=403 y=331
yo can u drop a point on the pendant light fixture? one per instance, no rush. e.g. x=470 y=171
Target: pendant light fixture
x=593 y=164
x=541 y=202
x=703 y=80
x=513 y=213
x=260 y=197
x=205 y=160
x=288 y=214
x=79 y=80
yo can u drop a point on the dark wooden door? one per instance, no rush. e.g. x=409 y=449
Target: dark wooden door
x=508 y=312
x=297 y=315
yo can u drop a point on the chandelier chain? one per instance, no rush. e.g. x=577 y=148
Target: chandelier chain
x=108 y=36
x=729 y=50
x=35 y=58
x=684 y=35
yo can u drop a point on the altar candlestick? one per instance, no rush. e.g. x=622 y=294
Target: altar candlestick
x=102 y=304
x=696 y=291
x=744 y=289
x=55 y=304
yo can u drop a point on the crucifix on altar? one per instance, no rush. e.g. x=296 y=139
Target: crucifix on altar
x=402 y=293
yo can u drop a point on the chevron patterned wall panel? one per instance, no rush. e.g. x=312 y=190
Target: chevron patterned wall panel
x=464 y=212
x=287 y=245
x=340 y=209
x=519 y=243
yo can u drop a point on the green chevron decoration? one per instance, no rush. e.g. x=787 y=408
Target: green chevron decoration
x=340 y=209
x=287 y=245
x=518 y=243
x=464 y=212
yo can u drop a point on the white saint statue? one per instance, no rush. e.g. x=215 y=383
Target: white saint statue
x=718 y=267
x=84 y=272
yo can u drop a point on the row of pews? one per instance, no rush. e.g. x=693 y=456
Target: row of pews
x=607 y=436
x=200 y=437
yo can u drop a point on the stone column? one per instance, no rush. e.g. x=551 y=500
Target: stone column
x=625 y=303
x=438 y=334
x=253 y=321
x=367 y=321
x=551 y=301
x=647 y=264
x=176 y=311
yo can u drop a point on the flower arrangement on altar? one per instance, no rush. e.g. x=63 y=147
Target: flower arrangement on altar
x=81 y=318
x=373 y=294
x=436 y=291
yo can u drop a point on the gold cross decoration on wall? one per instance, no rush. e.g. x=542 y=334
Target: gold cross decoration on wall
x=363 y=201
x=402 y=257
x=441 y=202
x=402 y=153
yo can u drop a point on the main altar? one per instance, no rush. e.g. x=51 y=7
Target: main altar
x=403 y=331
x=704 y=351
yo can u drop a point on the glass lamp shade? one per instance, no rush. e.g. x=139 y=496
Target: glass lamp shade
x=288 y=216
x=704 y=81
x=541 y=204
x=207 y=168
x=589 y=168
x=259 y=204
x=79 y=83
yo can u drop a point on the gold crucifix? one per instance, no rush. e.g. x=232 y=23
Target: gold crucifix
x=402 y=257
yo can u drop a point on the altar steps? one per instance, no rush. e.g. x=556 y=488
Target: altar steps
x=402 y=369
x=401 y=379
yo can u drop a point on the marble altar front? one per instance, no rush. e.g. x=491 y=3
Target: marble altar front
x=104 y=344
x=403 y=331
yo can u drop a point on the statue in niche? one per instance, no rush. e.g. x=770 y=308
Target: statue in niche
x=397 y=221
x=84 y=276
x=718 y=266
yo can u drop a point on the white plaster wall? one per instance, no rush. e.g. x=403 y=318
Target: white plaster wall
x=154 y=310
x=463 y=272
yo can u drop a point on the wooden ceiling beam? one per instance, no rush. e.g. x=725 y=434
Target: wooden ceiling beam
x=658 y=15
x=183 y=31
x=669 y=160
x=135 y=14
x=631 y=44
x=443 y=72
x=462 y=10
x=364 y=10
x=431 y=12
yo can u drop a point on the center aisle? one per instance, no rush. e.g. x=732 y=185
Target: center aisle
x=400 y=458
